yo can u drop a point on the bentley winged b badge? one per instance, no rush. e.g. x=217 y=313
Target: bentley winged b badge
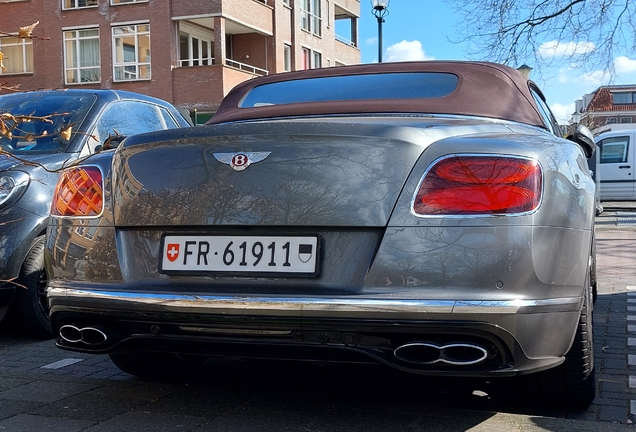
x=241 y=160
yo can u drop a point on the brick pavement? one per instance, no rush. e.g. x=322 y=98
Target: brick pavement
x=616 y=266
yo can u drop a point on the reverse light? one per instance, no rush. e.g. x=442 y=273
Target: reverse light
x=471 y=185
x=79 y=192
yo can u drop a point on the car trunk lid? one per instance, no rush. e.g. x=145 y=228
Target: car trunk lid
x=290 y=179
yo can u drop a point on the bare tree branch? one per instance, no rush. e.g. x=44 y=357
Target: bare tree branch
x=585 y=35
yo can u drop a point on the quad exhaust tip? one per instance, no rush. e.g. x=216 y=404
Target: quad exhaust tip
x=87 y=335
x=456 y=354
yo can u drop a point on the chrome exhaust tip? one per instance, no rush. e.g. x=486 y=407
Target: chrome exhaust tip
x=87 y=335
x=456 y=354
x=70 y=334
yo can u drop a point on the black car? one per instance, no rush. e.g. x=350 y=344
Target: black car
x=41 y=132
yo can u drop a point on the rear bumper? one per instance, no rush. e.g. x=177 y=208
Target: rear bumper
x=520 y=336
x=345 y=306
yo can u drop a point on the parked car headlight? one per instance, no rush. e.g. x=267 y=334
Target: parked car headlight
x=12 y=186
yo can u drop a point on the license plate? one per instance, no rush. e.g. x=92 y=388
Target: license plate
x=268 y=255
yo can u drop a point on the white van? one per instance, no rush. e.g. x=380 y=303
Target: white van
x=616 y=164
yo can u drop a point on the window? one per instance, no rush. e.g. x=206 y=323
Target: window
x=128 y=118
x=131 y=52
x=612 y=120
x=81 y=56
x=48 y=139
x=311 y=17
x=623 y=98
x=116 y=2
x=131 y=118
x=614 y=149
x=196 y=45
x=311 y=59
x=287 y=58
x=78 y=4
x=317 y=63
x=547 y=116
x=18 y=54
x=412 y=85
x=286 y=2
x=306 y=58
x=626 y=119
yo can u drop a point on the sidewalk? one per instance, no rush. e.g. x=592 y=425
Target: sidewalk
x=614 y=336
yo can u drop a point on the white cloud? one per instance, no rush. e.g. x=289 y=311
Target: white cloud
x=406 y=51
x=562 y=112
x=561 y=49
x=371 y=41
x=564 y=76
x=623 y=65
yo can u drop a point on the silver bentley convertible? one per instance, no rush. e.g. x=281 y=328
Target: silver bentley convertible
x=427 y=216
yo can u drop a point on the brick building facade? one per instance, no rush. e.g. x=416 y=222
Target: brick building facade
x=188 y=52
x=607 y=106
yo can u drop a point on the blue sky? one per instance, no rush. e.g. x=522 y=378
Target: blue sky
x=420 y=30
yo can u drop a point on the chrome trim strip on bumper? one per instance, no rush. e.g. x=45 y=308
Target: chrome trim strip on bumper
x=299 y=306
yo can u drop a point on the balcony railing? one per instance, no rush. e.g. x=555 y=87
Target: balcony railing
x=245 y=67
x=207 y=61
x=344 y=40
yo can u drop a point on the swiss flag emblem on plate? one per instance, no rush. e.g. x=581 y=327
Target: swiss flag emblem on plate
x=172 y=251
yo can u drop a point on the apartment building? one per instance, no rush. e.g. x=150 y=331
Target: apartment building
x=188 y=52
x=608 y=107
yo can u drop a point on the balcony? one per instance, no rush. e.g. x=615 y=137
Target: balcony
x=205 y=86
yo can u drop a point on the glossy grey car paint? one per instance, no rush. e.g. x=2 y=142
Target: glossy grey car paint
x=25 y=216
x=386 y=251
x=513 y=285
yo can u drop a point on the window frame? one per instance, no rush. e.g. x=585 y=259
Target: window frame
x=316 y=59
x=306 y=58
x=632 y=97
x=605 y=141
x=78 y=69
x=125 y=2
x=136 y=64
x=287 y=57
x=311 y=16
x=544 y=111
x=25 y=44
x=204 y=37
x=65 y=7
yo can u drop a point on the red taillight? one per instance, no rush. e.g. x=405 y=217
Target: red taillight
x=78 y=193
x=479 y=185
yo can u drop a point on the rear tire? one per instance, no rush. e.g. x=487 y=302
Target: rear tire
x=572 y=385
x=156 y=365
x=593 y=280
x=30 y=310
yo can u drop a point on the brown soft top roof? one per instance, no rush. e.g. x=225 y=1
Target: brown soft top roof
x=483 y=89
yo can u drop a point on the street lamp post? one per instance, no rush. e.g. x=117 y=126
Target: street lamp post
x=525 y=70
x=380 y=10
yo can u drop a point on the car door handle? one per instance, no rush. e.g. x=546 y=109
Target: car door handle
x=624 y=166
